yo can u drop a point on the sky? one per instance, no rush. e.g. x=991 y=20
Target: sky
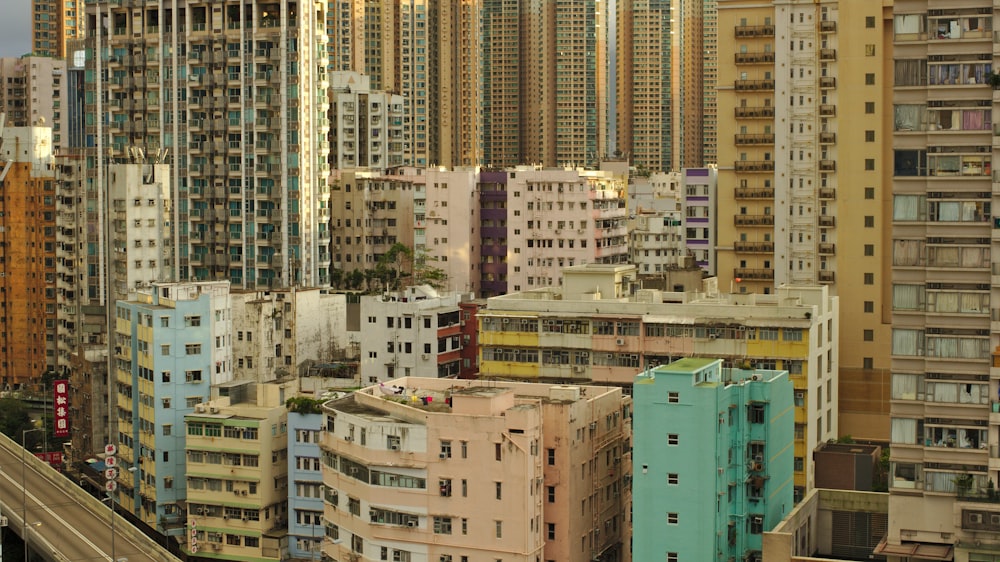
x=15 y=27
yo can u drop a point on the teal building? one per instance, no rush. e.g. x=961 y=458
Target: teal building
x=712 y=460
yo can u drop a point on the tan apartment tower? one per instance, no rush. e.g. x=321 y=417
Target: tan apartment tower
x=54 y=24
x=944 y=282
x=800 y=170
x=426 y=50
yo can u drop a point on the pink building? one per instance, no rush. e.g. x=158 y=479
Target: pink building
x=477 y=471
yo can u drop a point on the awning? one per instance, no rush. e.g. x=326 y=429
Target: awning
x=917 y=550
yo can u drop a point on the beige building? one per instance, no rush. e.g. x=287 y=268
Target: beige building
x=33 y=91
x=944 y=279
x=600 y=327
x=795 y=81
x=55 y=23
x=477 y=471
x=237 y=453
x=830 y=525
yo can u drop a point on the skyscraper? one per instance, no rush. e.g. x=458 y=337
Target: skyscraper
x=945 y=353
x=54 y=23
x=791 y=77
x=235 y=101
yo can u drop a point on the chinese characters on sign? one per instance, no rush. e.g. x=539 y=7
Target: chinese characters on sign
x=60 y=397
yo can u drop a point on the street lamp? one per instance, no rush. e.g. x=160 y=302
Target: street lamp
x=24 y=488
x=111 y=503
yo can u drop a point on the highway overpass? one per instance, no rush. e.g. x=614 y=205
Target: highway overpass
x=65 y=523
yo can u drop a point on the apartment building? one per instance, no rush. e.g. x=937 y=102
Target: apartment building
x=792 y=76
x=436 y=469
x=305 y=508
x=236 y=453
x=699 y=189
x=600 y=326
x=27 y=248
x=414 y=332
x=691 y=416
x=373 y=212
x=366 y=125
x=453 y=229
x=656 y=242
x=710 y=76
x=172 y=343
x=428 y=53
x=544 y=102
x=280 y=333
x=244 y=129
x=33 y=90
x=944 y=337
x=54 y=24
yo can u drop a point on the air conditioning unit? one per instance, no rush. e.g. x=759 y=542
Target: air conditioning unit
x=593 y=425
x=245 y=518
x=348 y=439
x=200 y=408
x=225 y=518
x=620 y=341
x=755 y=377
x=758 y=520
x=443 y=456
x=578 y=368
x=411 y=523
x=243 y=492
x=758 y=466
x=213 y=410
x=216 y=546
x=394 y=447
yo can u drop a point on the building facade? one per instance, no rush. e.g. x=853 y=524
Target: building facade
x=172 y=342
x=491 y=471
x=944 y=338
x=243 y=123
x=54 y=24
x=692 y=416
x=595 y=329
x=305 y=509
x=33 y=93
x=28 y=236
x=366 y=125
x=699 y=190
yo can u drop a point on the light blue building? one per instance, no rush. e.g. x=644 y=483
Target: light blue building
x=171 y=344
x=305 y=514
x=712 y=461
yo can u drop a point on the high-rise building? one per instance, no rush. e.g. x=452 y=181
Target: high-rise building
x=34 y=89
x=544 y=101
x=791 y=76
x=595 y=328
x=945 y=347
x=712 y=460
x=449 y=469
x=234 y=98
x=366 y=126
x=28 y=236
x=305 y=479
x=427 y=51
x=172 y=344
x=55 y=23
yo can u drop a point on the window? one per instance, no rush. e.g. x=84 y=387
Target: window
x=870 y=50
x=499 y=490
x=870 y=79
x=551 y=455
x=442 y=525
x=870 y=22
x=445 y=449
x=165 y=349
x=192 y=349
x=551 y=531
x=550 y=494
x=867 y=363
x=869 y=136
x=673 y=397
x=799 y=464
x=791 y=334
x=672 y=518
x=869 y=249
x=869 y=335
x=870 y=107
x=755 y=413
x=869 y=221
x=673 y=478
x=869 y=306
x=499 y=529
x=673 y=439
x=192 y=321
x=869 y=164
x=869 y=193
x=672 y=557
x=869 y=278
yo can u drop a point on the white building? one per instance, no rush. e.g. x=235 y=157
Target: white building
x=655 y=192
x=141 y=236
x=699 y=187
x=366 y=125
x=452 y=218
x=277 y=333
x=416 y=332
x=656 y=242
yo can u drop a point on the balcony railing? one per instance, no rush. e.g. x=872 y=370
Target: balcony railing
x=827 y=110
x=764 y=112
x=828 y=54
x=754 y=274
x=827 y=138
x=755 y=193
x=754 y=165
x=754 y=85
x=754 y=220
x=759 y=139
x=827 y=276
x=827 y=220
x=754 y=247
x=827 y=193
x=827 y=82
x=827 y=26
x=827 y=248
x=754 y=58
x=827 y=165
x=754 y=31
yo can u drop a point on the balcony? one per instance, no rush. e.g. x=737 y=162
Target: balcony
x=827 y=110
x=744 y=31
x=827 y=26
x=750 y=140
x=827 y=165
x=754 y=85
x=827 y=193
x=827 y=220
x=753 y=274
x=754 y=247
x=753 y=220
x=827 y=138
x=755 y=58
x=827 y=248
x=754 y=193
x=764 y=112
x=827 y=82
x=827 y=276
x=828 y=55
x=754 y=165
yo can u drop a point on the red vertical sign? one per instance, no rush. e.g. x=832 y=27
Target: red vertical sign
x=60 y=397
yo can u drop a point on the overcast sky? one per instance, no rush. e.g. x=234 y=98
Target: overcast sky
x=15 y=27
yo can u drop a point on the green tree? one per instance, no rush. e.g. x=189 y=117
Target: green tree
x=14 y=419
x=394 y=266
x=426 y=274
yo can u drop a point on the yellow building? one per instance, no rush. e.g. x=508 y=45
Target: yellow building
x=55 y=23
x=802 y=99
x=237 y=449
x=594 y=328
